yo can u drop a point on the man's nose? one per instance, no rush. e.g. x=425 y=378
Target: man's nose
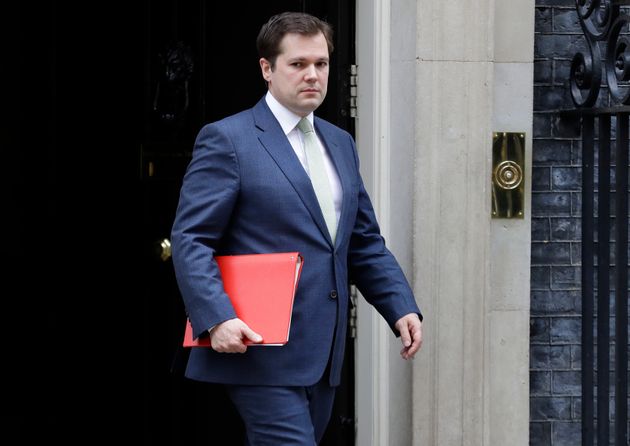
x=311 y=72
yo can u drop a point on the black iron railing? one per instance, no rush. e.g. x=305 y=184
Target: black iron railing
x=600 y=230
x=605 y=24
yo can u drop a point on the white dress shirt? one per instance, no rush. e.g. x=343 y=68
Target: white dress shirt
x=288 y=121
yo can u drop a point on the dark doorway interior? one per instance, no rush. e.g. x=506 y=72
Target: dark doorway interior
x=211 y=46
x=94 y=159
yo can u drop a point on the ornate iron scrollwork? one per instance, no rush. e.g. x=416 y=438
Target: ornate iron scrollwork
x=618 y=61
x=601 y=22
x=586 y=76
x=596 y=16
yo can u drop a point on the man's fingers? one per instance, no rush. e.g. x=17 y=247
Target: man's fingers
x=419 y=336
x=228 y=336
x=405 y=336
x=414 y=335
x=252 y=335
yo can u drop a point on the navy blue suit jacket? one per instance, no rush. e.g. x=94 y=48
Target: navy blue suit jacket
x=244 y=192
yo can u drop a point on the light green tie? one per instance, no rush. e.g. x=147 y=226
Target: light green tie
x=319 y=177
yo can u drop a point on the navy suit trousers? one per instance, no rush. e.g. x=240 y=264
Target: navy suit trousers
x=284 y=415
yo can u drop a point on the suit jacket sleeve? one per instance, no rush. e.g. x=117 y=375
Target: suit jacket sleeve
x=374 y=269
x=208 y=195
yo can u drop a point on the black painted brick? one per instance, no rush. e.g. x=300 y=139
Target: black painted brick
x=555 y=3
x=565 y=126
x=566 y=179
x=559 y=45
x=548 y=303
x=576 y=408
x=551 y=357
x=541 y=125
x=540 y=383
x=566 y=434
x=540 y=229
x=554 y=204
x=543 y=20
x=562 y=72
x=550 y=253
x=566 y=383
x=539 y=357
x=566 y=278
x=549 y=98
x=551 y=152
x=576 y=153
x=540 y=278
x=566 y=20
x=565 y=330
x=543 y=72
x=539 y=330
x=576 y=204
x=576 y=357
x=566 y=229
x=541 y=178
x=560 y=356
x=550 y=408
x=540 y=433
x=576 y=253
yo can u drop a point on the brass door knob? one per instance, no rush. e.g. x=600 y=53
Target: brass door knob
x=163 y=249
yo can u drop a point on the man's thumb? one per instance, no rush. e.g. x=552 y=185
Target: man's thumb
x=252 y=335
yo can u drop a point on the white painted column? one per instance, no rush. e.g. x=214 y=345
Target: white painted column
x=452 y=240
x=472 y=272
x=507 y=395
x=385 y=140
x=372 y=401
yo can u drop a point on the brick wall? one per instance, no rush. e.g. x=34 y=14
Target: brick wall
x=555 y=284
x=555 y=326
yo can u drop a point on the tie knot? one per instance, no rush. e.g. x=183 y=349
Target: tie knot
x=305 y=125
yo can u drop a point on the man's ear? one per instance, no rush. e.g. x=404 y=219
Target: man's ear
x=265 y=68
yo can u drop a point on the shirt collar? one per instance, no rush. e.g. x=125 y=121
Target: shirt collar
x=287 y=119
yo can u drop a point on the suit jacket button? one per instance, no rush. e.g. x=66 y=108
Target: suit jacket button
x=333 y=294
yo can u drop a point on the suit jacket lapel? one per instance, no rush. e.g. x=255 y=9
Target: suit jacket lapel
x=277 y=145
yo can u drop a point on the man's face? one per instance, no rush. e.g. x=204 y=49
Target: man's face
x=299 y=80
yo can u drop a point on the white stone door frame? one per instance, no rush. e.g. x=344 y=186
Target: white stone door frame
x=372 y=134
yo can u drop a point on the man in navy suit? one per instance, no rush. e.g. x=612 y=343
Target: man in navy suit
x=248 y=189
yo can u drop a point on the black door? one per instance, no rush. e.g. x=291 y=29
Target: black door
x=200 y=65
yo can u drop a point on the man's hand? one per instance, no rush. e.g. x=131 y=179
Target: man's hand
x=410 y=328
x=228 y=336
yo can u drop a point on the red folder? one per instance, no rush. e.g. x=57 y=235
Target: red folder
x=262 y=289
